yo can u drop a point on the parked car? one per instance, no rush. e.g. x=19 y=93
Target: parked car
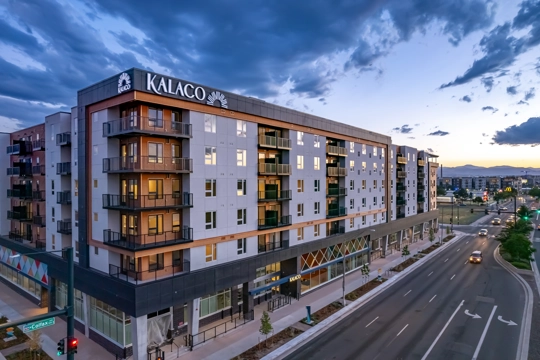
x=483 y=232
x=476 y=257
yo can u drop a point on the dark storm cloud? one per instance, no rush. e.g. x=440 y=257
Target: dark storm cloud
x=529 y=94
x=439 y=133
x=405 y=129
x=527 y=133
x=310 y=84
x=466 y=98
x=490 y=108
x=512 y=90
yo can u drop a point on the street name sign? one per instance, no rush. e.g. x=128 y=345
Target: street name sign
x=37 y=325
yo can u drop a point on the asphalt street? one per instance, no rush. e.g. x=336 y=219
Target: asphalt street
x=446 y=309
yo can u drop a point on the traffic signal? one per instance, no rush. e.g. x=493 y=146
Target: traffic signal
x=72 y=346
x=472 y=211
x=60 y=350
x=499 y=212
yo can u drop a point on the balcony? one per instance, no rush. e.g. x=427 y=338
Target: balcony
x=38 y=145
x=38 y=170
x=63 y=168
x=421 y=187
x=63 y=226
x=20 y=191
x=144 y=125
x=275 y=221
x=336 y=191
x=178 y=267
x=63 y=139
x=19 y=215
x=332 y=213
x=336 y=171
x=400 y=216
x=19 y=236
x=20 y=147
x=421 y=175
x=420 y=211
x=142 y=202
x=124 y=164
x=421 y=199
x=63 y=197
x=401 y=174
x=274 y=169
x=335 y=230
x=401 y=201
x=401 y=159
x=401 y=187
x=284 y=144
x=284 y=169
x=39 y=220
x=147 y=241
x=275 y=195
x=336 y=150
x=273 y=246
x=273 y=142
x=38 y=195
x=421 y=162
x=20 y=168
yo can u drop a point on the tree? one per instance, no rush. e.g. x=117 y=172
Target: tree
x=524 y=212
x=441 y=191
x=461 y=194
x=535 y=191
x=478 y=200
x=266 y=326
x=431 y=235
x=519 y=247
x=34 y=343
x=405 y=251
x=365 y=269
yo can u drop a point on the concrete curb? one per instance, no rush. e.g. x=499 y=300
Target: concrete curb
x=319 y=329
x=526 y=321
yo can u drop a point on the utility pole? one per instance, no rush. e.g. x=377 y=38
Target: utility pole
x=70 y=301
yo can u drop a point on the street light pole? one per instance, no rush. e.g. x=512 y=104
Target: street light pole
x=70 y=300
x=452 y=218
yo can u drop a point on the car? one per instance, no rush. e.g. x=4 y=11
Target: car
x=476 y=257
x=538 y=227
x=483 y=232
x=503 y=208
x=533 y=208
x=496 y=221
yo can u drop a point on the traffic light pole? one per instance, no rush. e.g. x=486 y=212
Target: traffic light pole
x=70 y=301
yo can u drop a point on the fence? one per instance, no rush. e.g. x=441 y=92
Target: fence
x=278 y=302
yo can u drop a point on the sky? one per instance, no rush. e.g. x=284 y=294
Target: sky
x=460 y=78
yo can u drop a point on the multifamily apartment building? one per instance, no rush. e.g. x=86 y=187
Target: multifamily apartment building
x=186 y=204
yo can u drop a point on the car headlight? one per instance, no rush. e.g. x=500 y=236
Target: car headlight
x=470 y=258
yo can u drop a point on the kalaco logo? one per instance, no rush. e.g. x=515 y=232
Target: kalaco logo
x=124 y=83
x=216 y=95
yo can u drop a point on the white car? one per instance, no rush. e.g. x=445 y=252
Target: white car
x=504 y=208
x=483 y=232
x=533 y=208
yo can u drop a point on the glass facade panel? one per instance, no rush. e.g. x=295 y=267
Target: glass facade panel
x=13 y=276
x=110 y=322
x=213 y=303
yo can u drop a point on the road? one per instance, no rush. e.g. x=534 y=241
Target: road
x=445 y=309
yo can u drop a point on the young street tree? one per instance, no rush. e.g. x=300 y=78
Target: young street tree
x=266 y=326
x=431 y=235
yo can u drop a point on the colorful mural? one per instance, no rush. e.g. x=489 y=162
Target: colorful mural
x=35 y=269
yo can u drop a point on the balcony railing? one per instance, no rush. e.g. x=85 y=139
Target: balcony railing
x=148 y=241
x=274 y=169
x=400 y=216
x=19 y=236
x=268 y=141
x=421 y=187
x=335 y=230
x=38 y=195
x=421 y=198
x=63 y=197
x=284 y=144
x=178 y=267
x=13 y=149
x=63 y=139
x=336 y=171
x=341 y=191
x=63 y=226
x=336 y=150
x=20 y=148
x=273 y=246
x=38 y=169
x=401 y=187
x=146 y=125
x=20 y=169
x=140 y=202
x=400 y=201
x=284 y=169
x=38 y=145
x=401 y=159
x=332 y=213
x=274 y=195
x=19 y=215
x=63 y=168
x=273 y=222
x=124 y=164
x=39 y=220
x=401 y=174
x=20 y=192
x=421 y=175
x=421 y=162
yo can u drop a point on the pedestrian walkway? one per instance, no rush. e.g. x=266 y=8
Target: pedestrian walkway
x=237 y=341
x=15 y=307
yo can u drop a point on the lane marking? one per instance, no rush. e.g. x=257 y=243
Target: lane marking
x=433 y=298
x=465 y=263
x=402 y=330
x=467 y=242
x=407 y=293
x=430 y=273
x=372 y=321
x=458 y=249
x=453 y=276
x=446 y=260
x=475 y=356
x=442 y=331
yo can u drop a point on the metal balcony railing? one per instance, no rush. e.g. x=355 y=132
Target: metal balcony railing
x=401 y=159
x=268 y=141
x=401 y=174
x=335 y=230
x=63 y=197
x=20 y=168
x=341 y=191
x=19 y=215
x=421 y=175
x=140 y=202
x=146 y=125
x=38 y=195
x=124 y=164
x=336 y=171
x=20 y=192
x=148 y=241
x=284 y=169
x=63 y=139
x=273 y=246
x=274 y=169
x=63 y=168
x=63 y=226
x=284 y=144
x=274 y=195
x=400 y=216
x=273 y=222
x=400 y=201
x=38 y=145
x=332 y=213
x=19 y=236
x=421 y=198
x=401 y=187
x=39 y=220
x=38 y=169
x=131 y=275
x=421 y=187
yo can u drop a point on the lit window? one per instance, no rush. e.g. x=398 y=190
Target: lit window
x=211 y=252
x=155 y=224
x=351 y=223
x=364 y=151
x=240 y=157
x=300 y=138
x=317 y=163
x=363 y=166
x=374 y=151
x=351 y=165
x=155 y=153
x=210 y=155
x=351 y=147
x=210 y=123
x=300 y=185
x=363 y=184
x=300 y=233
x=210 y=188
x=241 y=187
x=241 y=128
x=299 y=161
x=300 y=209
x=317 y=230
x=316 y=141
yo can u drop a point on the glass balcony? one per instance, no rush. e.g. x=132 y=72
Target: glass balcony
x=401 y=174
x=63 y=139
x=401 y=201
x=336 y=171
x=20 y=168
x=20 y=215
x=401 y=159
x=400 y=216
x=179 y=267
x=274 y=169
x=273 y=246
x=421 y=162
x=275 y=221
x=335 y=230
x=338 y=191
x=145 y=125
x=274 y=195
x=125 y=164
x=63 y=168
x=142 y=202
x=63 y=197
x=401 y=187
x=20 y=191
x=63 y=226
x=148 y=241
x=332 y=213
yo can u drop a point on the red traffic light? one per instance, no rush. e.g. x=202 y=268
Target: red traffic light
x=74 y=342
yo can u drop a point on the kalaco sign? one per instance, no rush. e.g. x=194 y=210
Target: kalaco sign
x=161 y=85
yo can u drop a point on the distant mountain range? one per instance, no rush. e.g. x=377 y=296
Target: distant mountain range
x=472 y=170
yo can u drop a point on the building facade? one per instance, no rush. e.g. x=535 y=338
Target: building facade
x=185 y=203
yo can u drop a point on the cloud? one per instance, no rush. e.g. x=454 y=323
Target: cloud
x=526 y=133
x=488 y=82
x=485 y=135
x=466 y=98
x=405 y=129
x=411 y=137
x=490 y=108
x=439 y=133
x=529 y=94
x=521 y=102
x=505 y=114
x=512 y=90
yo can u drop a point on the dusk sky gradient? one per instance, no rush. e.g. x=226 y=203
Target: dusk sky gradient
x=458 y=76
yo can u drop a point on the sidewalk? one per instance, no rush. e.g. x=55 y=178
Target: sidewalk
x=237 y=341
x=15 y=307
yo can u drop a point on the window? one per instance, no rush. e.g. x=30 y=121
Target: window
x=364 y=149
x=214 y=303
x=316 y=141
x=210 y=155
x=363 y=202
x=351 y=204
x=382 y=184
x=210 y=220
x=155 y=117
x=155 y=153
x=300 y=209
x=391 y=183
x=316 y=163
x=351 y=185
x=300 y=138
x=374 y=200
x=375 y=167
x=363 y=166
x=391 y=154
x=241 y=246
x=176 y=222
x=76 y=190
x=95 y=216
x=95 y=149
x=240 y=157
x=175 y=188
x=413 y=157
x=317 y=230
x=130 y=225
x=241 y=187
x=95 y=183
x=351 y=165
x=155 y=189
x=363 y=184
x=374 y=184
x=299 y=161
x=300 y=186
x=155 y=262
x=317 y=185
x=300 y=233
x=374 y=151
x=175 y=152
x=351 y=147
x=210 y=189
x=351 y=223
x=382 y=152
x=241 y=128
x=391 y=199
x=374 y=217
x=382 y=200
x=364 y=220
x=317 y=208
x=408 y=156
x=155 y=224
x=211 y=252
x=210 y=123
x=241 y=217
